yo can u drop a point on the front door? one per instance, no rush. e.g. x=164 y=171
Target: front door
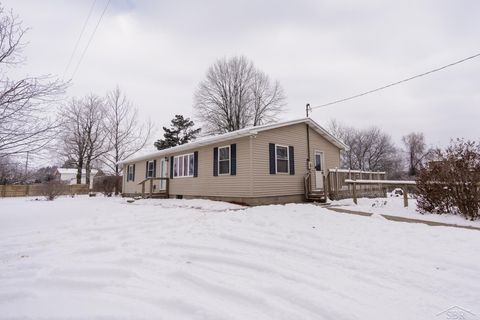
x=319 y=170
x=163 y=174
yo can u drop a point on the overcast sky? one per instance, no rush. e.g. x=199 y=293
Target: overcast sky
x=159 y=51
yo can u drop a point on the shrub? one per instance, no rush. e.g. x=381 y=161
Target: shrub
x=105 y=184
x=452 y=183
x=52 y=189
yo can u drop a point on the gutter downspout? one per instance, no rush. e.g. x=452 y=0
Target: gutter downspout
x=251 y=165
x=308 y=147
x=308 y=160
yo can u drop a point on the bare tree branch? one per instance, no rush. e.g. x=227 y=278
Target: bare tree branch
x=125 y=134
x=235 y=95
x=417 y=151
x=369 y=149
x=27 y=105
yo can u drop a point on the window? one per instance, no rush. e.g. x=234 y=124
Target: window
x=130 y=173
x=190 y=165
x=151 y=169
x=318 y=161
x=281 y=156
x=224 y=160
x=180 y=166
x=183 y=165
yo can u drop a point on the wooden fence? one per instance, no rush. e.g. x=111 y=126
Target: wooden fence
x=16 y=190
x=338 y=188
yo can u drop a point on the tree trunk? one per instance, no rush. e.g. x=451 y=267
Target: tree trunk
x=87 y=174
x=79 y=171
x=117 y=174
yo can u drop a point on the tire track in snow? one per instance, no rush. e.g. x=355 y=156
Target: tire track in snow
x=227 y=295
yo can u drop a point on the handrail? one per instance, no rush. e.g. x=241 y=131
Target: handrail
x=355 y=171
x=388 y=182
x=151 y=179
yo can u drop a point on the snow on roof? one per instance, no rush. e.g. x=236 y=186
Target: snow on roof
x=207 y=140
x=74 y=171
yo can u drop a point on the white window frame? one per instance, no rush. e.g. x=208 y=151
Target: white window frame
x=276 y=160
x=185 y=171
x=153 y=169
x=130 y=172
x=229 y=160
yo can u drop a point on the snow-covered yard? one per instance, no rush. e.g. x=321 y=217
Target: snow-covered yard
x=87 y=258
x=394 y=206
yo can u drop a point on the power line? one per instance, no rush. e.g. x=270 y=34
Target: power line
x=398 y=82
x=90 y=39
x=79 y=38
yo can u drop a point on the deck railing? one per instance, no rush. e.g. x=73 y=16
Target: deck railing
x=151 y=191
x=338 y=188
x=393 y=183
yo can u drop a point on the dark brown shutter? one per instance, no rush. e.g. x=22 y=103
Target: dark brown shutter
x=155 y=168
x=195 y=164
x=215 y=162
x=171 y=167
x=271 y=157
x=233 y=159
x=291 y=158
x=146 y=170
x=133 y=172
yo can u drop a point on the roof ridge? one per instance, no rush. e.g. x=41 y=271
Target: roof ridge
x=211 y=139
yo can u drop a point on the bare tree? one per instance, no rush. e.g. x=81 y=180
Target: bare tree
x=10 y=171
x=95 y=127
x=268 y=99
x=368 y=149
x=417 y=151
x=73 y=136
x=83 y=133
x=235 y=95
x=26 y=105
x=125 y=134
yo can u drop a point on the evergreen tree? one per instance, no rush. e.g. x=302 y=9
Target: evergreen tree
x=180 y=132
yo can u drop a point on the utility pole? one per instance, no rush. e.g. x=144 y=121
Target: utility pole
x=308 y=109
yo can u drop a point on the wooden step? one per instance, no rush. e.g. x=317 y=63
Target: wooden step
x=317 y=196
x=156 y=196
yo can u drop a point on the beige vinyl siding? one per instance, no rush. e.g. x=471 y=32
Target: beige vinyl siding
x=253 y=178
x=331 y=153
x=133 y=186
x=266 y=184
x=206 y=184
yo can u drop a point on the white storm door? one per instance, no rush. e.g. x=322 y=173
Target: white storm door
x=163 y=174
x=319 y=170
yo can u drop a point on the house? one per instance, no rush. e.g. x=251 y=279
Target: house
x=273 y=163
x=70 y=175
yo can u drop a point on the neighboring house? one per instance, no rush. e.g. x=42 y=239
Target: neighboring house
x=257 y=165
x=70 y=175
